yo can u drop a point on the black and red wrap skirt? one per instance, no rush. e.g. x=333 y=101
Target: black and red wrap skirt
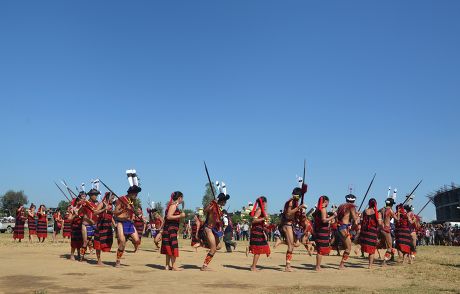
x=103 y=235
x=258 y=243
x=169 y=242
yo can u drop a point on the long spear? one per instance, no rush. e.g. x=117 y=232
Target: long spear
x=68 y=189
x=303 y=179
x=368 y=188
x=209 y=180
x=408 y=196
x=65 y=195
x=430 y=200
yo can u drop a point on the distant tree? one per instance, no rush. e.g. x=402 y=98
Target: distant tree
x=208 y=197
x=158 y=206
x=9 y=201
x=137 y=203
x=62 y=206
x=189 y=213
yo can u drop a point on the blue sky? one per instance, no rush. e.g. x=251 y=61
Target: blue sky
x=89 y=89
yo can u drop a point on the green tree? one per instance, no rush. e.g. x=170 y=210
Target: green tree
x=208 y=196
x=158 y=206
x=9 y=201
x=62 y=206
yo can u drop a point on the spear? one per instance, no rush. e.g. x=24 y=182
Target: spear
x=62 y=192
x=303 y=179
x=430 y=200
x=209 y=180
x=368 y=188
x=68 y=189
x=408 y=196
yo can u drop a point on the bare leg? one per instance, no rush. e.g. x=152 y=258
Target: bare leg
x=121 y=243
x=319 y=257
x=254 y=263
x=290 y=242
x=212 y=249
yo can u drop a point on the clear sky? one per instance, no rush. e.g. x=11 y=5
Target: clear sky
x=91 y=88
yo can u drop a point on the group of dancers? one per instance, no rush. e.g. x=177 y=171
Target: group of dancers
x=92 y=224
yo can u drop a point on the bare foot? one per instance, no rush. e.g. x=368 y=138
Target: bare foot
x=318 y=268
x=341 y=267
x=247 y=251
x=99 y=263
x=255 y=269
x=288 y=269
x=72 y=257
x=118 y=264
x=176 y=269
x=205 y=269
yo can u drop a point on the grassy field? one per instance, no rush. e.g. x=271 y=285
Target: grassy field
x=45 y=268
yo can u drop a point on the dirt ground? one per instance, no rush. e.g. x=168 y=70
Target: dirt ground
x=45 y=268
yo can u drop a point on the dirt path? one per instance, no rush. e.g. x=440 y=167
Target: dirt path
x=26 y=268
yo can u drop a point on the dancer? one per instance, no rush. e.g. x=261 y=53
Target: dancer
x=89 y=218
x=124 y=215
x=196 y=225
x=31 y=223
x=169 y=242
x=211 y=230
x=322 y=230
x=20 y=221
x=387 y=215
x=57 y=219
x=139 y=224
x=76 y=238
x=67 y=230
x=347 y=216
x=103 y=235
x=368 y=237
x=156 y=223
x=403 y=237
x=258 y=243
x=288 y=221
x=42 y=224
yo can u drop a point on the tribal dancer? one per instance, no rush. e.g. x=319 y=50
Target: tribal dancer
x=211 y=230
x=57 y=219
x=31 y=222
x=307 y=231
x=19 y=223
x=403 y=237
x=103 y=235
x=139 y=224
x=368 y=237
x=322 y=230
x=346 y=217
x=124 y=215
x=156 y=226
x=89 y=213
x=288 y=221
x=258 y=243
x=387 y=215
x=414 y=225
x=67 y=230
x=42 y=224
x=169 y=242
x=196 y=225
x=76 y=238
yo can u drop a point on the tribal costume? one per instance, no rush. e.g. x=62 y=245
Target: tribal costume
x=19 y=224
x=403 y=237
x=258 y=243
x=32 y=225
x=67 y=231
x=103 y=236
x=169 y=242
x=42 y=225
x=369 y=230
